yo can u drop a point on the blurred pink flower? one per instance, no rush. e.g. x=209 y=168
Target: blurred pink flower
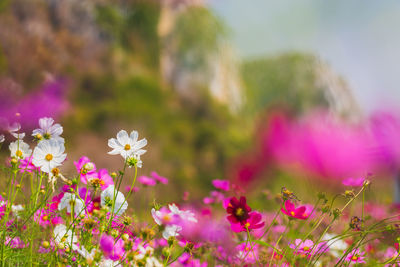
x=85 y=168
x=301 y=212
x=221 y=184
x=159 y=178
x=355 y=182
x=26 y=165
x=355 y=256
x=145 y=180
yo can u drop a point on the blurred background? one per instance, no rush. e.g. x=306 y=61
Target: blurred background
x=274 y=93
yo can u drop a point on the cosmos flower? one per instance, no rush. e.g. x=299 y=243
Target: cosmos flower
x=253 y=222
x=110 y=194
x=159 y=178
x=48 y=130
x=145 y=180
x=336 y=245
x=221 y=184
x=355 y=182
x=65 y=237
x=85 y=168
x=127 y=145
x=69 y=200
x=355 y=256
x=238 y=210
x=302 y=212
x=26 y=165
x=112 y=249
x=101 y=179
x=48 y=155
x=19 y=149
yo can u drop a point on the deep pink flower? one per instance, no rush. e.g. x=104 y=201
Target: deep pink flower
x=356 y=256
x=238 y=210
x=86 y=169
x=253 y=222
x=14 y=242
x=100 y=179
x=159 y=178
x=221 y=184
x=26 y=165
x=356 y=182
x=111 y=249
x=144 y=180
x=302 y=212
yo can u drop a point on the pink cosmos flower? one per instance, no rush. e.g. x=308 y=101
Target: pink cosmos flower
x=248 y=252
x=308 y=248
x=221 y=184
x=111 y=249
x=134 y=189
x=145 y=180
x=253 y=222
x=15 y=242
x=45 y=217
x=26 y=165
x=356 y=256
x=356 y=182
x=302 y=212
x=85 y=168
x=101 y=179
x=159 y=178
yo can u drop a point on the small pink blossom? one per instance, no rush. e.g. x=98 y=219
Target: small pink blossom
x=356 y=182
x=159 y=178
x=85 y=168
x=356 y=256
x=302 y=212
x=112 y=249
x=145 y=180
x=26 y=165
x=221 y=184
x=308 y=248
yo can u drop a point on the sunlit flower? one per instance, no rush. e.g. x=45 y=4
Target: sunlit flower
x=65 y=237
x=48 y=130
x=111 y=194
x=20 y=149
x=127 y=145
x=302 y=212
x=355 y=256
x=70 y=201
x=48 y=155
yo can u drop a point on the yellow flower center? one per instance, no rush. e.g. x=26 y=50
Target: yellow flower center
x=292 y=213
x=247 y=225
x=127 y=147
x=49 y=157
x=55 y=171
x=354 y=258
x=167 y=218
x=239 y=212
x=45 y=218
x=39 y=136
x=18 y=153
x=306 y=248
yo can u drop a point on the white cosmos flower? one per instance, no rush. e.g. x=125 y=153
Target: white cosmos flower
x=127 y=145
x=16 y=209
x=20 y=149
x=2 y=138
x=64 y=237
x=15 y=127
x=107 y=197
x=185 y=215
x=171 y=230
x=109 y=263
x=70 y=199
x=48 y=130
x=48 y=154
x=19 y=136
x=336 y=245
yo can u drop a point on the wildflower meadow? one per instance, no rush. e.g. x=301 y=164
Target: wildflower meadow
x=52 y=218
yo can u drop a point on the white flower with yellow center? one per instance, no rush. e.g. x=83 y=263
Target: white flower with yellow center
x=70 y=201
x=48 y=130
x=109 y=195
x=127 y=145
x=49 y=154
x=20 y=149
x=64 y=237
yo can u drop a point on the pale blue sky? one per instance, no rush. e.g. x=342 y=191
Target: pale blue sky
x=360 y=39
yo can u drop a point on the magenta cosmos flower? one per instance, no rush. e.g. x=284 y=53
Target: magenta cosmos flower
x=356 y=256
x=238 y=210
x=159 y=178
x=145 y=180
x=85 y=168
x=221 y=184
x=302 y=212
x=253 y=222
x=356 y=182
